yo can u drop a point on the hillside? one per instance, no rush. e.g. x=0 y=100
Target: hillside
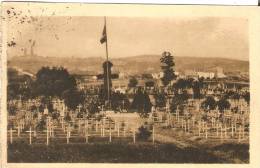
x=133 y=65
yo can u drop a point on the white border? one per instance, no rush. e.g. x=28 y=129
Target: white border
x=177 y=2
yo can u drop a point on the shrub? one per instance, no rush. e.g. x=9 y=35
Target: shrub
x=41 y=125
x=67 y=118
x=143 y=133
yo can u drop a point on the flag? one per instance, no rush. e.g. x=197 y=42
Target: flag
x=104 y=35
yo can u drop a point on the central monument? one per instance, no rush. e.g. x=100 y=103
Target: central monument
x=107 y=65
x=107 y=69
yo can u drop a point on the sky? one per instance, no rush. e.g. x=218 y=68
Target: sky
x=78 y=36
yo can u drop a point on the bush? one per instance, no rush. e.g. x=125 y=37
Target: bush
x=55 y=115
x=143 y=133
x=67 y=117
x=41 y=125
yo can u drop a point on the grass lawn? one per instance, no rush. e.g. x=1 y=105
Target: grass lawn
x=108 y=153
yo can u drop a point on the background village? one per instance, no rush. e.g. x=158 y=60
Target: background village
x=203 y=114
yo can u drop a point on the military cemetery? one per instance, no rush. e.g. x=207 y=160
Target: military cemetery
x=113 y=108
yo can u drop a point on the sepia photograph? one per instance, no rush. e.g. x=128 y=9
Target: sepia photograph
x=111 y=88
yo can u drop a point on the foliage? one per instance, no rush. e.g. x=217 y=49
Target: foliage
x=160 y=99
x=209 y=103
x=55 y=115
x=67 y=117
x=132 y=82
x=236 y=96
x=183 y=84
x=143 y=133
x=149 y=84
x=46 y=102
x=179 y=101
x=196 y=86
x=12 y=109
x=119 y=101
x=167 y=68
x=93 y=105
x=41 y=125
x=223 y=104
x=19 y=86
x=246 y=96
x=147 y=76
x=72 y=98
x=53 y=82
x=180 y=84
x=33 y=108
x=142 y=103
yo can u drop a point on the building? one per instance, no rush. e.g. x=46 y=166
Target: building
x=219 y=73
x=190 y=74
x=206 y=75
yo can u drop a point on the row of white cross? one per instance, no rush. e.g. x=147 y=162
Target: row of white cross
x=67 y=128
x=206 y=127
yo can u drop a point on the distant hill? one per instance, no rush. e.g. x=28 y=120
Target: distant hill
x=131 y=65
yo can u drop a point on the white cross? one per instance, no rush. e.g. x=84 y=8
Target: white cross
x=18 y=129
x=86 y=130
x=30 y=135
x=79 y=107
x=68 y=134
x=134 y=135
x=110 y=137
x=62 y=122
x=47 y=136
x=153 y=134
x=11 y=135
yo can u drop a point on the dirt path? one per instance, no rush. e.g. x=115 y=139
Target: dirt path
x=168 y=139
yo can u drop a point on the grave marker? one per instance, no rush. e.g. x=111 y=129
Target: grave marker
x=11 y=135
x=118 y=129
x=30 y=135
x=110 y=137
x=134 y=135
x=153 y=134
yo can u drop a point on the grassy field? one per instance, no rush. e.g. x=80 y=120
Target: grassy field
x=113 y=153
x=229 y=149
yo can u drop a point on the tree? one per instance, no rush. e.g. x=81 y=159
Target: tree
x=149 y=84
x=179 y=101
x=12 y=109
x=143 y=133
x=19 y=86
x=209 y=103
x=236 y=96
x=142 y=103
x=223 y=104
x=119 y=101
x=189 y=82
x=147 y=76
x=72 y=98
x=93 y=107
x=46 y=102
x=196 y=86
x=160 y=99
x=246 y=96
x=132 y=82
x=53 y=82
x=167 y=68
x=182 y=84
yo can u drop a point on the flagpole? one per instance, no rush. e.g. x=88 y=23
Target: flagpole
x=108 y=84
